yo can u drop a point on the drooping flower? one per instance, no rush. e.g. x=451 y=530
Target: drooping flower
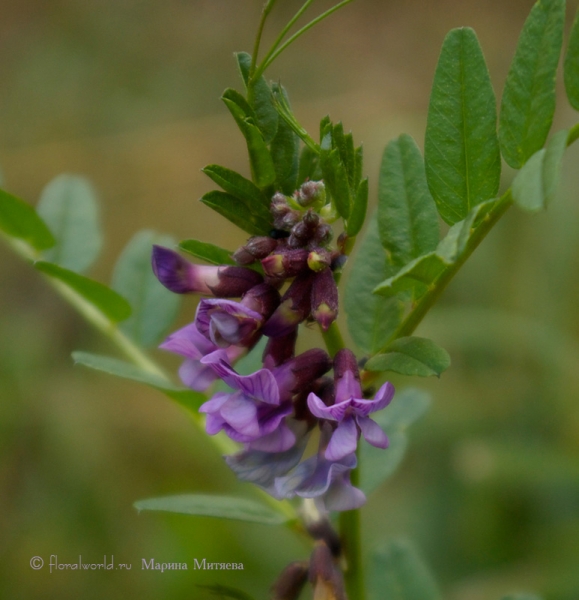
x=326 y=481
x=182 y=277
x=191 y=344
x=226 y=322
x=351 y=410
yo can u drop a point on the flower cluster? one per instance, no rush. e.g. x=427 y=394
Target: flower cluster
x=274 y=411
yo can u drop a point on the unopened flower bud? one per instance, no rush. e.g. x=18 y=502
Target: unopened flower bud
x=312 y=192
x=324 y=298
x=262 y=298
x=290 y=583
x=181 y=276
x=324 y=576
x=256 y=248
x=284 y=217
x=300 y=372
x=303 y=232
x=285 y=263
x=280 y=349
x=295 y=306
x=319 y=259
x=323 y=235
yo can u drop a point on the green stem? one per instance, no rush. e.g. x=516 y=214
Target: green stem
x=350 y=529
x=333 y=339
x=264 y=13
x=271 y=56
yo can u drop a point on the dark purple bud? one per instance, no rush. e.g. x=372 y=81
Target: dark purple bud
x=310 y=192
x=345 y=361
x=280 y=349
x=323 y=234
x=339 y=261
x=284 y=217
x=306 y=368
x=325 y=576
x=295 y=306
x=324 y=298
x=285 y=263
x=181 y=276
x=256 y=248
x=304 y=231
x=324 y=389
x=263 y=299
x=290 y=583
x=319 y=259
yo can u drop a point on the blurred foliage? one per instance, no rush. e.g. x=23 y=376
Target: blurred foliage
x=126 y=93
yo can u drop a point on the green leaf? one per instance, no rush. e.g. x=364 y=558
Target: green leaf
x=528 y=103
x=371 y=319
x=309 y=166
x=208 y=252
x=536 y=183
x=154 y=307
x=111 y=304
x=20 y=220
x=461 y=150
x=413 y=356
x=237 y=212
x=221 y=507
x=407 y=218
x=417 y=275
x=260 y=160
x=260 y=99
x=240 y=187
x=284 y=152
x=113 y=366
x=358 y=214
x=69 y=206
x=571 y=67
x=224 y=591
x=399 y=573
x=336 y=180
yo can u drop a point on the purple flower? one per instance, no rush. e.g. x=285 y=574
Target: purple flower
x=182 y=277
x=351 y=410
x=254 y=413
x=188 y=342
x=328 y=482
x=226 y=322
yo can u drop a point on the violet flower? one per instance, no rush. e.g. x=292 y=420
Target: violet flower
x=182 y=277
x=253 y=413
x=191 y=344
x=226 y=322
x=351 y=410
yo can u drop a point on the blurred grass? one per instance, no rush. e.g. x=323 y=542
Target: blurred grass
x=127 y=94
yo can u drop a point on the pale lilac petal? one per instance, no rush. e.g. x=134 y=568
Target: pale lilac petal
x=215 y=403
x=226 y=322
x=241 y=414
x=318 y=408
x=286 y=487
x=179 y=275
x=347 y=387
x=188 y=342
x=341 y=495
x=270 y=416
x=372 y=432
x=214 y=424
x=219 y=362
x=280 y=440
x=382 y=398
x=343 y=441
x=260 y=385
x=196 y=376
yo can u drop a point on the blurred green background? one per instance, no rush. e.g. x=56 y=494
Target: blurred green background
x=126 y=93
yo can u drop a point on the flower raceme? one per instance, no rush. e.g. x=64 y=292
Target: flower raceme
x=274 y=411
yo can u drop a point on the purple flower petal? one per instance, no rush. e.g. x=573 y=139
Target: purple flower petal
x=196 y=376
x=215 y=403
x=226 y=322
x=241 y=414
x=214 y=423
x=280 y=440
x=179 y=275
x=342 y=495
x=343 y=441
x=188 y=342
x=347 y=387
x=372 y=432
x=382 y=398
x=320 y=410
